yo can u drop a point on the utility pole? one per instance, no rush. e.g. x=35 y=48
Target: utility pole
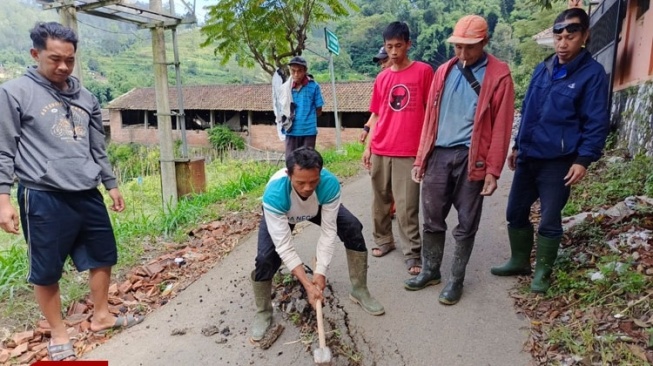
x=181 y=115
x=68 y=18
x=164 y=121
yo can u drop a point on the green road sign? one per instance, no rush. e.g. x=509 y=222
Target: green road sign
x=331 y=42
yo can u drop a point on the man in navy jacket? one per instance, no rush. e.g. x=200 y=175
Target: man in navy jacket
x=564 y=126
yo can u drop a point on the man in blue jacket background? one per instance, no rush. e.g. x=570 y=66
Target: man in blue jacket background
x=564 y=126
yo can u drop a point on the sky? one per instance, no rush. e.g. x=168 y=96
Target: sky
x=200 y=12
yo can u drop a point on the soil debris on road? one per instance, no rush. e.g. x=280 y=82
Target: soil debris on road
x=141 y=289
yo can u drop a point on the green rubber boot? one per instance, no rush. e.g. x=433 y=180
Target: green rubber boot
x=547 y=252
x=357 y=263
x=521 y=244
x=263 y=299
x=432 y=251
x=453 y=291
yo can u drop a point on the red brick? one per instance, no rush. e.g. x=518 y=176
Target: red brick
x=4 y=355
x=22 y=337
x=125 y=287
x=26 y=357
x=76 y=319
x=19 y=350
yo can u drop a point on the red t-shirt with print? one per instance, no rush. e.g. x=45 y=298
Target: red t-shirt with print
x=399 y=99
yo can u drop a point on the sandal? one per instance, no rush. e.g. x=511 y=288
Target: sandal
x=383 y=249
x=413 y=263
x=61 y=352
x=122 y=322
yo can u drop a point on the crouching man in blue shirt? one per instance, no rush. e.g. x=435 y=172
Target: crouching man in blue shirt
x=304 y=191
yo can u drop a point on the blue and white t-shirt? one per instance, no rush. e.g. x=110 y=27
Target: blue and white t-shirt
x=283 y=206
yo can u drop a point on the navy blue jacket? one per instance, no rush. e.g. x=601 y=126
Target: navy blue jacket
x=567 y=117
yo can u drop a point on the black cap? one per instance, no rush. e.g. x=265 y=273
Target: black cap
x=382 y=55
x=298 y=60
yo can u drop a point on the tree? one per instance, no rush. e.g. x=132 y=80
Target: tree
x=546 y=4
x=502 y=44
x=265 y=32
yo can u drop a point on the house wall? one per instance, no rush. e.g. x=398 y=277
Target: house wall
x=149 y=136
x=263 y=137
x=635 y=50
x=632 y=114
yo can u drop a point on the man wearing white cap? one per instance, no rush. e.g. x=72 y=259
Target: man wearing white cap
x=462 y=150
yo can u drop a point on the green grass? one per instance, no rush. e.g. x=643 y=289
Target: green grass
x=13 y=268
x=232 y=185
x=608 y=183
x=585 y=325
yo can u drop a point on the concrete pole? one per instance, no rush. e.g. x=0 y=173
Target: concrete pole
x=181 y=116
x=68 y=18
x=168 y=175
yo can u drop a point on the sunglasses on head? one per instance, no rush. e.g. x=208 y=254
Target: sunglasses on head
x=569 y=27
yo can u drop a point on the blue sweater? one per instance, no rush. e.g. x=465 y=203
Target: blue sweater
x=565 y=112
x=307 y=99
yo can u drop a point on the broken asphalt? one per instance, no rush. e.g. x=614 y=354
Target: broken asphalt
x=482 y=329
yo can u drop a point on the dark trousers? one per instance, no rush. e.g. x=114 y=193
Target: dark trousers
x=543 y=179
x=444 y=184
x=293 y=142
x=350 y=231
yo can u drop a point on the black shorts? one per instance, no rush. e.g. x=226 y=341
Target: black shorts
x=61 y=224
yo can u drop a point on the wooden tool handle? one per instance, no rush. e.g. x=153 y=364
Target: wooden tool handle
x=320 y=324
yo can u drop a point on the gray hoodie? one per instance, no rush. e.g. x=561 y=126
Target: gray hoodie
x=52 y=140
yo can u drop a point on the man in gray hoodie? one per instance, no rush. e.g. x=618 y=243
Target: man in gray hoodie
x=52 y=142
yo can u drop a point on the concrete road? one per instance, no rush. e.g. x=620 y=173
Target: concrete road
x=482 y=329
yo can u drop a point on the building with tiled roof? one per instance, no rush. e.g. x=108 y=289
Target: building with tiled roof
x=545 y=37
x=244 y=108
x=352 y=97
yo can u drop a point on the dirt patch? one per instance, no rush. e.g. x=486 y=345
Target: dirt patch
x=289 y=300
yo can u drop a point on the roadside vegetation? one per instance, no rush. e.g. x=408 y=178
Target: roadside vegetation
x=233 y=185
x=599 y=309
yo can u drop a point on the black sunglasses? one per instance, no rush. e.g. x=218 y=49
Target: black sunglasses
x=569 y=27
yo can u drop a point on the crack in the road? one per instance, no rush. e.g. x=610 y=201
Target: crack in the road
x=362 y=346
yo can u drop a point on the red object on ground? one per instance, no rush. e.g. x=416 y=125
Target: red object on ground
x=73 y=363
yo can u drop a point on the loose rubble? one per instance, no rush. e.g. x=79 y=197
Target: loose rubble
x=141 y=290
x=289 y=300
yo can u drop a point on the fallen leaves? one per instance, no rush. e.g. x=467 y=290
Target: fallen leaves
x=601 y=321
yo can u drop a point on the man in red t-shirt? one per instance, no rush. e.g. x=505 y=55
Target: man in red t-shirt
x=397 y=107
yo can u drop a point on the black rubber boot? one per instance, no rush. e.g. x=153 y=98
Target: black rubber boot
x=452 y=292
x=521 y=244
x=357 y=263
x=432 y=251
x=263 y=299
x=547 y=252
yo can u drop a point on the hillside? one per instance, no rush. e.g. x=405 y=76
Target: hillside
x=116 y=57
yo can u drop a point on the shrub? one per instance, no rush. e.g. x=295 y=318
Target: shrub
x=223 y=139
x=133 y=160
